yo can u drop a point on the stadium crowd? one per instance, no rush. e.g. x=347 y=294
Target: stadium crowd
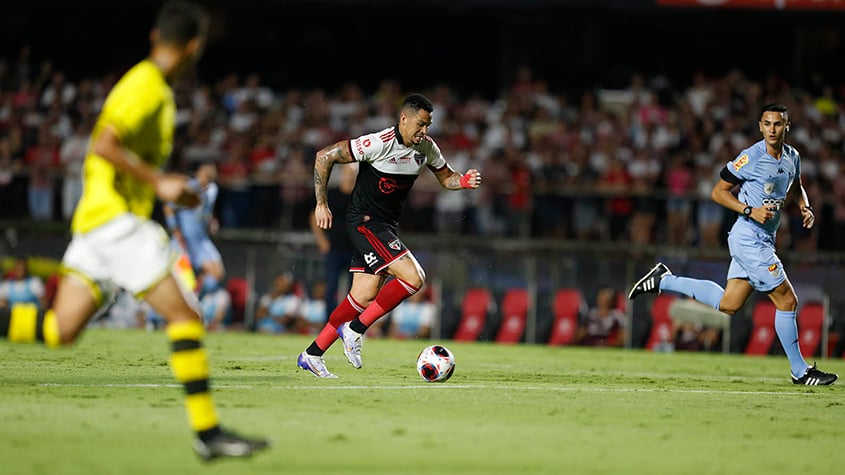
x=634 y=164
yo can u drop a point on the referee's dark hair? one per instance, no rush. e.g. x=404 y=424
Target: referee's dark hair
x=179 y=22
x=418 y=101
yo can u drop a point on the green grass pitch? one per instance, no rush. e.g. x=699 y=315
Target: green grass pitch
x=110 y=406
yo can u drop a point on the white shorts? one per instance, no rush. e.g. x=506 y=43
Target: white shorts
x=132 y=252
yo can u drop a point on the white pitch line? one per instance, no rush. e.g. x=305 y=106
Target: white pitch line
x=453 y=386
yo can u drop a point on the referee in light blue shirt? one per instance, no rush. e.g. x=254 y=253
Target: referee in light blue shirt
x=765 y=172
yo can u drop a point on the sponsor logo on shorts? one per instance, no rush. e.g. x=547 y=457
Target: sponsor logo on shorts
x=394 y=244
x=774 y=269
x=740 y=162
x=370 y=258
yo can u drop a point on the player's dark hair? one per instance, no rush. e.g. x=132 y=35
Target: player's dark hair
x=773 y=107
x=417 y=102
x=179 y=22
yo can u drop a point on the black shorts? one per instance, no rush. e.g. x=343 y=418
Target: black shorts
x=376 y=247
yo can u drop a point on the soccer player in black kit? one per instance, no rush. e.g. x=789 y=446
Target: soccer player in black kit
x=389 y=163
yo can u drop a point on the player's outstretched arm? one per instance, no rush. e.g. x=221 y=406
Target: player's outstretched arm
x=452 y=180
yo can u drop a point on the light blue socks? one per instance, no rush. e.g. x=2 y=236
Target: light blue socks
x=705 y=291
x=787 y=330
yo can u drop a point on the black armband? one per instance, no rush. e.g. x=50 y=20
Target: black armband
x=729 y=177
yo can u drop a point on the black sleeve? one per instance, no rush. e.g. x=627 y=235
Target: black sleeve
x=730 y=177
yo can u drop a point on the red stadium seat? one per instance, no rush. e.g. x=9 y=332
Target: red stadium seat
x=810 y=323
x=474 y=309
x=567 y=306
x=763 y=331
x=662 y=327
x=238 y=288
x=514 y=314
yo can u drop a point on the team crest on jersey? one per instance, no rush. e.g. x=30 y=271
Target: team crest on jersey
x=774 y=269
x=419 y=158
x=740 y=162
x=387 y=185
x=768 y=188
x=394 y=244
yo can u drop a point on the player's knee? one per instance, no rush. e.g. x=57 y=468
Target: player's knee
x=416 y=280
x=788 y=302
x=364 y=298
x=728 y=307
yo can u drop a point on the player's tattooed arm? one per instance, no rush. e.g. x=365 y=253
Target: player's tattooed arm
x=326 y=158
x=452 y=180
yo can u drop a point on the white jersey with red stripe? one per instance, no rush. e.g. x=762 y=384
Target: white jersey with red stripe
x=387 y=172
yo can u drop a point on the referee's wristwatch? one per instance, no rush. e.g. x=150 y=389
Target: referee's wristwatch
x=747 y=211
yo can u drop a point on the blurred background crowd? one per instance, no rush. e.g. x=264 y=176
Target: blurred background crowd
x=634 y=164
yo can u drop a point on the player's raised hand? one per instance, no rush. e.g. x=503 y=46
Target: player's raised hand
x=323 y=216
x=471 y=179
x=175 y=188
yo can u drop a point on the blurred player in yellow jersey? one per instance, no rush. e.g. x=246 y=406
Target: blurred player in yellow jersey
x=115 y=242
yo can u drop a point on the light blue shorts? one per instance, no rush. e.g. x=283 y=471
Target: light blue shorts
x=753 y=258
x=201 y=252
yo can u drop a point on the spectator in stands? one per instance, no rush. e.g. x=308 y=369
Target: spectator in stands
x=644 y=169
x=280 y=309
x=314 y=307
x=604 y=324
x=839 y=204
x=126 y=312
x=41 y=161
x=19 y=286
x=215 y=303
x=616 y=182
x=9 y=167
x=72 y=154
x=334 y=243
x=696 y=337
x=678 y=207
x=233 y=176
x=709 y=215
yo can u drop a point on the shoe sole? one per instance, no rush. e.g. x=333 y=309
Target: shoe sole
x=643 y=279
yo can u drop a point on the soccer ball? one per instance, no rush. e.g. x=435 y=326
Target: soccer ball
x=436 y=364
